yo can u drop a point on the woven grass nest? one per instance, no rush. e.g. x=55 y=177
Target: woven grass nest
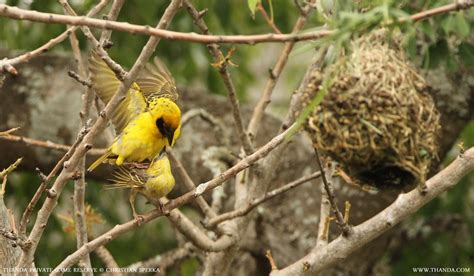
x=377 y=119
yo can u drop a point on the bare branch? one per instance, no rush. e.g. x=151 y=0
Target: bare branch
x=346 y=229
x=267 y=18
x=21 y=14
x=79 y=181
x=25 y=218
x=112 y=16
x=219 y=59
x=405 y=205
x=5 y=64
x=70 y=166
x=324 y=214
x=275 y=73
x=246 y=209
x=46 y=144
x=197 y=236
x=175 y=203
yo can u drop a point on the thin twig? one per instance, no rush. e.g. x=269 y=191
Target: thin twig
x=5 y=64
x=112 y=16
x=324 y=214
x=79 y=181
x=46 y=144
x=345 y=228
x=219 y=59
x=79 y=79
x=8 y=132
x=267 y=18
x=246 y=209
x=275 y=73
x=25 y=218
x=271 y=260
x=22 y=14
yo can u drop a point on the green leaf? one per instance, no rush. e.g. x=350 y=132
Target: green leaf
x=252 y=6
x=438 y=53
x=461 y=26
x=466 y=54
x=410 y=43
x=428 y=30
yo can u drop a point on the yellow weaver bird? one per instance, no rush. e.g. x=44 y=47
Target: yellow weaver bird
x=155 y=182
x=146 y=120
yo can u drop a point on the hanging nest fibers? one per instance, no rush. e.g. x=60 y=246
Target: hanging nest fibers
x=377 y=119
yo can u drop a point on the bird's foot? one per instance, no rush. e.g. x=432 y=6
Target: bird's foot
x=139 y=218
x=135 y=165
x=163 y=210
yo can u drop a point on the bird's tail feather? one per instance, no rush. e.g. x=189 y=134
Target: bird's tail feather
x=99 y=161
x=124 y=178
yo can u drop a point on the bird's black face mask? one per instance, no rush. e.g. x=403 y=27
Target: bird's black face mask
x=166 y=130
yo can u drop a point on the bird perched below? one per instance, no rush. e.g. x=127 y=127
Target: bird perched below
x=155 y=182
x=146 y=120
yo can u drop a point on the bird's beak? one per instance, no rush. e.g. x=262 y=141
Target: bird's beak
x=170 y=135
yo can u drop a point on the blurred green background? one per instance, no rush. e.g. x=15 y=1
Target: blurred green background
x=448 y=42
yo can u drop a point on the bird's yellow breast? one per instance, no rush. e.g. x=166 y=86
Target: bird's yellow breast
x=139 y=140
x=161 y=180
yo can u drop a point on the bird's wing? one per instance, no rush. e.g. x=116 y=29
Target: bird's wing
x=156 y=81
x=126 y=178
x=105 y=84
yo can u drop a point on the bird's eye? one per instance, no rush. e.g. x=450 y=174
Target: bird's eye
x=160 y=124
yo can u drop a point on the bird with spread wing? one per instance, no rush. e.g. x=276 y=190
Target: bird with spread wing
x=146 y=120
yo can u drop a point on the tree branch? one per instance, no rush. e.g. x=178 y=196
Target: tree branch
x=346 y=229
x=174 y=203
x=275 y=73
x=404 y=206
x=220 y=59
x=21 y=14
x=46 y=144
x=188 y=182
x=246 y=209
x=70 y=166
x=5 y=63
